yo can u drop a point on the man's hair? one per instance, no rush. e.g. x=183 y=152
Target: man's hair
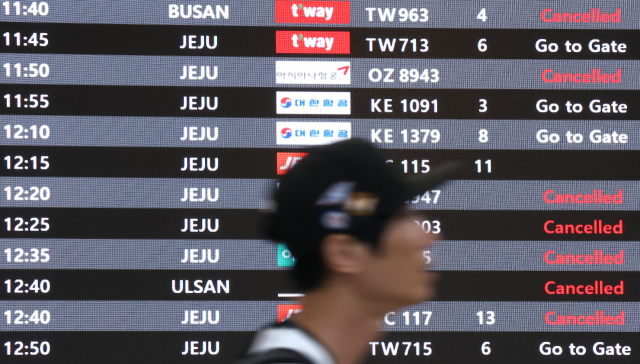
x=309 y=271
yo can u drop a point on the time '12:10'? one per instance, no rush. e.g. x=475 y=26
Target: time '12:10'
x=22 y=132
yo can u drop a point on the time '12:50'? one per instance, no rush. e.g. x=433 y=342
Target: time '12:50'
x=32 y=348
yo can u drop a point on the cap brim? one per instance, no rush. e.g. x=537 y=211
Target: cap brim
x=419 y=184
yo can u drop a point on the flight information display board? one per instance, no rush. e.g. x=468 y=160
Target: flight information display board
x=141 y=140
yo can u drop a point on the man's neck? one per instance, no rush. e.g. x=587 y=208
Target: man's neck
x=341 y=321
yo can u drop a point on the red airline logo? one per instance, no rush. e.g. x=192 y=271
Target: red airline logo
x=285 y=311
x=329 y=12
x=312 y=42
x=286 y=161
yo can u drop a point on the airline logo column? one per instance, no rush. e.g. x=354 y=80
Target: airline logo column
x=310 y=72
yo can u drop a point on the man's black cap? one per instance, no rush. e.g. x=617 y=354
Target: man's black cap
x=346 y=187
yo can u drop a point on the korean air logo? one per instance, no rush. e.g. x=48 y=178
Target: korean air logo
x=311 y=133
x=313 y=103
x=286 y=133
x=285 y=102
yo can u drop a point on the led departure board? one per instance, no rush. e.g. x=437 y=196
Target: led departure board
x=142 y=139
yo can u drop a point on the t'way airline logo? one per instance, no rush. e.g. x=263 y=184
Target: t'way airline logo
x=331 y=12
x=312 y=42
x=286 y=161
x=285 y=311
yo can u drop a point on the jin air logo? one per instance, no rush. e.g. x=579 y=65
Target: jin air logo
x=286 y=311
x=286 y=161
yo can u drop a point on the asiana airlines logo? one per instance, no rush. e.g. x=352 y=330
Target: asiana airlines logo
x=313 y=72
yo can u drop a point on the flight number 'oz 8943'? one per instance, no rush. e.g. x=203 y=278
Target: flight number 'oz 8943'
x=405 y=75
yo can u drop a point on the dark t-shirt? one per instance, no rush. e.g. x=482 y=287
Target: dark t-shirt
x=285 y=343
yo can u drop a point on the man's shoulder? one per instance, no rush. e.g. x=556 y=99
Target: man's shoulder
x=286 y=343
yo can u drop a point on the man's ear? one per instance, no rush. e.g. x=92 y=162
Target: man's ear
x=343 y=253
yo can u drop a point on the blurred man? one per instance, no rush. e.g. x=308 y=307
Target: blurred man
x=341 y=211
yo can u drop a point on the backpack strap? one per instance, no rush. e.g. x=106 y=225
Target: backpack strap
x=293 y=339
